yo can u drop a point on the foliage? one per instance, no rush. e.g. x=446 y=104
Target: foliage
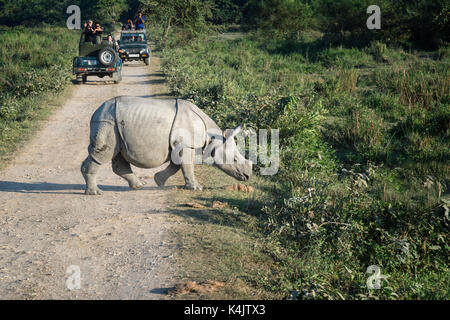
x=190 y=14
x=39 y=12
x=402 y=22
x=407 y=23
x=33 y=63
x=34 y=12
x=228 y=11
x=364 y=156
x=108 y=10
x=280 y=17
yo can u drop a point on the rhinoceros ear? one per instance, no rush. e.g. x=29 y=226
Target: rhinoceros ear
x=232 y=134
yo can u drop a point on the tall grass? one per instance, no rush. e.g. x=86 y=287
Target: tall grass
x=365 y=145
x=34 y=62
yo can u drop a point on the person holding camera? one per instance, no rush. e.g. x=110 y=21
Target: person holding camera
x=97 y=33
x=130 y=25
x=89 y=31
x=139 y=22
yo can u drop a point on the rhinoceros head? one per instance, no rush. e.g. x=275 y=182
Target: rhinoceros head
x=228 y=158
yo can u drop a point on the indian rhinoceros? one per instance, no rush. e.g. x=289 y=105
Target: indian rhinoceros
x=149 y=132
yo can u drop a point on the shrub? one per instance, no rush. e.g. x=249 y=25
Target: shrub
x=421 y=84
x=33 y=63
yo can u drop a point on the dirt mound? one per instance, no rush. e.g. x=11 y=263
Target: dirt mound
x=239 y=187
x=194 y=287
x=215 y=205
x=195 y=205
x=218 y=204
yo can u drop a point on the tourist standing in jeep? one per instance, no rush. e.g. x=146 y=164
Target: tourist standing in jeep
x=98 y=31
x=88 y=31
x=139 y=22
x=112 y=42
x=129 y=26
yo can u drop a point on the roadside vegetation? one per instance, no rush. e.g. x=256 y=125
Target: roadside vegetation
x=35 y=65
x=364 y=134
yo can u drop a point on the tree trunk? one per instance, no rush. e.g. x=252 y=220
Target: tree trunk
x=166 y=31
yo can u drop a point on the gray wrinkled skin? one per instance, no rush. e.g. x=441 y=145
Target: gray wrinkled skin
x=144 y=132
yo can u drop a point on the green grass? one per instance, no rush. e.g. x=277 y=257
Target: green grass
x=364 y=136
x=223 y=244
x=35 y=66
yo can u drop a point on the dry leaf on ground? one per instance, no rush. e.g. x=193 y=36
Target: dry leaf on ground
x=239 y=187
x=192 y=286
x=218 y=204
x=195 y=205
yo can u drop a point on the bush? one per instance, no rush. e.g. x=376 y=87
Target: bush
x=418 y=22
x=33 y=63
x=421 y=84
x=344 y=58
x=280 y=18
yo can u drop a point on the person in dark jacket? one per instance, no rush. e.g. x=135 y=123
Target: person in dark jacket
x=89 y=31
x=97 y=34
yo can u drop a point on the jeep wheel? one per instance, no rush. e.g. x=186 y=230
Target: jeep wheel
x=78 y=80
x=107 y=56
x=84 y=78
x=147 y=61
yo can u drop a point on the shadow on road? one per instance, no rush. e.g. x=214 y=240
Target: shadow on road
x=166 y=95
x=48 y=187
x=134 y=65
x=153 y=81
x=144 y=75
x=162 y=291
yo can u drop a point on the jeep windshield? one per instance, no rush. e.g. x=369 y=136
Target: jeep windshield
x=133 y=38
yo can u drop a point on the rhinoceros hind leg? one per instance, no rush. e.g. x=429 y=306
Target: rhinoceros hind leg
x=123 y=169
x=162 y=176
x=89 y=169
x=187 y=166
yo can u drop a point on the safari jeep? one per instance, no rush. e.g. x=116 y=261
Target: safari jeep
x=133 y=46
x=97 y=59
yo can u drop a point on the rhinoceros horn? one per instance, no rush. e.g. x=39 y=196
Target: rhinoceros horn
x=230 y=136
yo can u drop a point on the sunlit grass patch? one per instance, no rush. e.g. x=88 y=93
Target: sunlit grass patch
x=35 y=64
x=364 y=140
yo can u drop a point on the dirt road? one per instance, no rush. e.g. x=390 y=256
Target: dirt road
x=49 y=227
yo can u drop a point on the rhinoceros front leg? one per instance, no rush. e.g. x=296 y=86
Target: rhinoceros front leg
x=187 y=166
x=89 y=169
x=162 y=176
x=122 y=168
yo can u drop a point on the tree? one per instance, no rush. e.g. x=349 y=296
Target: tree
x=133 y=8
x=228 y=11
x=33 y=12
x=404 y=22
x=37 y=12
x=190 y=14
x=280 y=17
x=109 y=10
